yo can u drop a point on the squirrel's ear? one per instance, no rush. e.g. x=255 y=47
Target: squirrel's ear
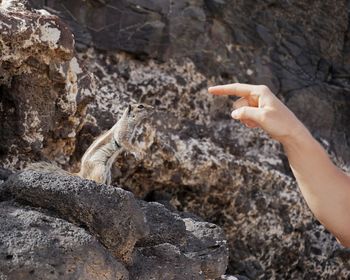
x=129 y=109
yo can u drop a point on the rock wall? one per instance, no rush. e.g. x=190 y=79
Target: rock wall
x=301 y=49
x=44 y=91
x=197 y=159
x=200 y=161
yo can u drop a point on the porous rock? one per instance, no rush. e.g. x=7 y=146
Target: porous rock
x=109 y=213
x=217 y=169
x=35 y=245
x=164 y=261
x=196 y=155
x=152 y=241
x=197 y=249
x=300 y=49
x=43 y=89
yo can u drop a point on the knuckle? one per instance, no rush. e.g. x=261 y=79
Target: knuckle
x=264 y=89
x=264 y=116
x=242 y=112
x=234 y=87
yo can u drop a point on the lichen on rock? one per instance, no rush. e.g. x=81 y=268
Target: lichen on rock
x=43 y=90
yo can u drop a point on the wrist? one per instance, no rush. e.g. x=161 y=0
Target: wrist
x=299 y=135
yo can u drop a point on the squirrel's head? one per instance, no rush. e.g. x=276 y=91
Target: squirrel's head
x=138 y=112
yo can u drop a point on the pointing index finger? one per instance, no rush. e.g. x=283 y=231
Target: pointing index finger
x=237 y=89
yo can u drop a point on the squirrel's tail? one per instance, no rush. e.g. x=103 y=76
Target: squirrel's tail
x=46 y=167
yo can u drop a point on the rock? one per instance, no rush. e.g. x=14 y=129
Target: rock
x=43 y=90
x=197 y=249
x=35 y=245
x=267 y=224
x=164 y=261
x=219 y=170
x=236 y=277
x=150 y=239
x=300 y=59
x=165 y=226
x=5 y=173
x=111 y=214
x=207 y=243
x=166 y=54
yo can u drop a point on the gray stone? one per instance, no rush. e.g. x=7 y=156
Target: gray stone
x=206 y=242
x=5 y=173
x=230 y=277
x=35 y=245
x=152 y=240
x=211 y=166
x=109 y=213
x=165 y=226
x=164 y=261
x=197 y=248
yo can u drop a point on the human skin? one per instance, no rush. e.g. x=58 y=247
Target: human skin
x=325 y=187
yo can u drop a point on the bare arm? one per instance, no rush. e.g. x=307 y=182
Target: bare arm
x=325 y=188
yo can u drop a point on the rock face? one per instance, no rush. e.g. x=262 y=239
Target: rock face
x=35 y=245
x=141 y=240
x=43 y=90
x=118 y=227
x=197 y=159
x=300 y=49
x=179 y=242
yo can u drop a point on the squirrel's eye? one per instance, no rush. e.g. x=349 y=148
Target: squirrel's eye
x=140 y=106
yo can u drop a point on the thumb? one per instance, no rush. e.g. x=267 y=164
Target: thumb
x=247 y=113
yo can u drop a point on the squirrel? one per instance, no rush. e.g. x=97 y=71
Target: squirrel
x=97 y=161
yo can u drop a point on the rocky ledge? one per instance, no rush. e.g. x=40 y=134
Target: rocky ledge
x=68 y=228
x=166 y=53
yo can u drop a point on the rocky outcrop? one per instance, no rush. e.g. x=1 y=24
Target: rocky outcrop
x=300 y=49
x=197 y=159
x=43 y=90
x=140 y=240
x=36 y=245
x=179 y=240
x=107 y=212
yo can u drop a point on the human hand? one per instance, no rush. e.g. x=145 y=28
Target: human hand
x=259 y=107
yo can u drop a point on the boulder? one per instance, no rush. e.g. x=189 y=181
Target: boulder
x=109 y=213
x=145 y=239
x=36 y=245
x=43 y=89
x=179 y=247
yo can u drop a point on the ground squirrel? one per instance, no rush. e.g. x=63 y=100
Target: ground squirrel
x=97 y=161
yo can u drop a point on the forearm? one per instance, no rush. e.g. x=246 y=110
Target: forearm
x=325 y=187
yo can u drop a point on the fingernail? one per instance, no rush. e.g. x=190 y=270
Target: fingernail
x=234 y=115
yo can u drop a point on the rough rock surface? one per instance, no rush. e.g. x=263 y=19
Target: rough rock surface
x=197 y=158
x=150 y=240
x=43 y=90
x=201 y=162
x=301 y=49
x=35 y=245
x=107 y=212
x=179 y=242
